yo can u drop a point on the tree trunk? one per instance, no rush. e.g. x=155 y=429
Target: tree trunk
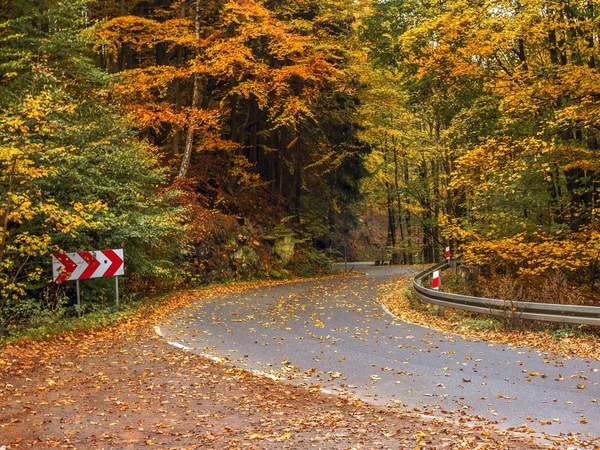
x=189 y=139
x=400 y=256
x=391 y=232
x=522 y=57
x=8 y=206
x=407 y=216
x=435 y=200
x=253 y=124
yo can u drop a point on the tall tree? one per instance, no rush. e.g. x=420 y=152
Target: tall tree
x=276 y=88
x=512 y=92
x=73 y=176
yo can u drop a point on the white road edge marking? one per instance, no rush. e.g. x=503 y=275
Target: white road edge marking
x=221 y=360
x=260 y=373
x=385 y=308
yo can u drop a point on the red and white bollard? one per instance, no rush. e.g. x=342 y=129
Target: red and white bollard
x=436 y=280
x=447 y=252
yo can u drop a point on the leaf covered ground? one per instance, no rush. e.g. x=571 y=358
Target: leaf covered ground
x=396 y=298
x=124 y=387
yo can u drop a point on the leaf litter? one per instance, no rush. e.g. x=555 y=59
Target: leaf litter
x=124 y=387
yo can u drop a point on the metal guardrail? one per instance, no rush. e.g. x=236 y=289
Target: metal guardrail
x=548 y=312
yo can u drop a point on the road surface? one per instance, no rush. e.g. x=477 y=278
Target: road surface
x=334 y=334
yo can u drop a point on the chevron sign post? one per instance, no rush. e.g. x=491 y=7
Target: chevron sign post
x=86 y=265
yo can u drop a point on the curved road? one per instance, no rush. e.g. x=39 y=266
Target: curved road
x=333 y=333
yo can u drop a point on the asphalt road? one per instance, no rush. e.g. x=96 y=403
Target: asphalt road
x=334 y=334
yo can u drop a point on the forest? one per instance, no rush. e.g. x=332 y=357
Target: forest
x=243 y=139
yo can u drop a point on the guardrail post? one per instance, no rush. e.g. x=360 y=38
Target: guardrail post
x=454 y=265
x=78 y=300
x=441 y=310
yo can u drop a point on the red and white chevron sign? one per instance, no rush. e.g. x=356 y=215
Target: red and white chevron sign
x=84 y=265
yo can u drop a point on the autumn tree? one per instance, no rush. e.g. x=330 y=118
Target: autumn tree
x=512 y=86
x=73 y=176
x=267 y=93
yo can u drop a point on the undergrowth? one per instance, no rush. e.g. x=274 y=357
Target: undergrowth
x=93 y=317
x=554 y=288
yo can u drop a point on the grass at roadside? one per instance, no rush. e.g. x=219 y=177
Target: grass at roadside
x=102 y=316
x=562 y=339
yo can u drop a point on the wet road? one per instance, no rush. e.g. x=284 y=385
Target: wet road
x=333 y=333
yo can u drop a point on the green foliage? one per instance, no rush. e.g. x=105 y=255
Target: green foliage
x=483 y=324
x=562 y=333
x=566 y=331
x=73 y=175
x=310 y=262
x=50 y=322
x=416 y=303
